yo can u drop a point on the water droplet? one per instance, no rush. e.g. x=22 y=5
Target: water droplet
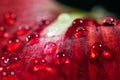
x=61 y=58
x=10 y=18
x=13 y=44
x=11 y=62
x=78 y=22
x=15 y=65
x=22 y=30
x=50 y=48
x=38 y=64
x=109 y=21
x=80 y=32
x=95 y=51
x=77 y=29
x=5 y=61
x=32 y=38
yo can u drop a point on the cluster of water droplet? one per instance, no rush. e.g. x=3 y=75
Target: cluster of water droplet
x=14 y=42
x=13 y=39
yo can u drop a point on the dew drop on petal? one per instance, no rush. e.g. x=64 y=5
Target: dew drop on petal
x=5 y=61
x=38 y=64
x=78 y=22
x=80 y=32
x=50 y=48
x=15 y=65
x=61 y=58
x=11 y=62
x=13 y=44
x=109 y=21
x=95 y=51
x=32 y=38
x=77 y=29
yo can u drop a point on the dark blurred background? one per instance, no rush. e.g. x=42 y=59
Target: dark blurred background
x=109 y=5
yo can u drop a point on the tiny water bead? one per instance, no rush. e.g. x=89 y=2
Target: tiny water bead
x=100 y=50
x=23 y=29
x=38 y=64
x=77 y=29
x=50 y=48
x=95 y=51
x=109 y=21
x=61 y=58
x=78 y=22
x=10 y=62
x=13 y=44
x=10 y=18
x=5 y=61
x=15 y=65
x=32 y=38
x=80 y=32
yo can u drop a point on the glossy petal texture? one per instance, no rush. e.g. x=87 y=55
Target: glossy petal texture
x=53 y=49
x=87 y=52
